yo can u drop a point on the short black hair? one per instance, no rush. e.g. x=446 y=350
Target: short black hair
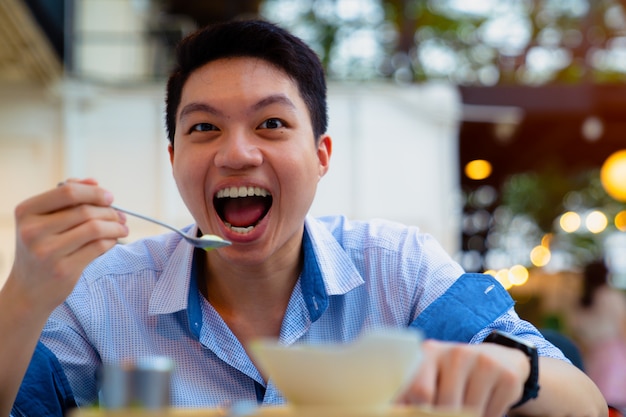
x=256 y=39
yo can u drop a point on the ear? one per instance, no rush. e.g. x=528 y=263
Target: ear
x=324 y=150
x=170 y=149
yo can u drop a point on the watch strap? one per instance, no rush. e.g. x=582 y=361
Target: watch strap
x=531 y=386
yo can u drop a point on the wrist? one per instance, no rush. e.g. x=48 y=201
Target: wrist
x=20 y=310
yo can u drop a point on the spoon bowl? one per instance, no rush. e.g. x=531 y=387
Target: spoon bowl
x=206 y=242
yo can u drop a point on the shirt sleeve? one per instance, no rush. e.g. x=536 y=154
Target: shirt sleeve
x=45 y=390
x=511 y=322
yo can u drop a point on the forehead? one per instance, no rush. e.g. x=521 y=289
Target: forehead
x=238 y=74
x=236 y=85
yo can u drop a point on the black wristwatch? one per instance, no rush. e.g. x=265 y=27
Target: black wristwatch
x=531 y=387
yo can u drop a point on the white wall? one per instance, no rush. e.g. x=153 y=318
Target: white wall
x=31 y=158
x=117 y=136
x=394 y=154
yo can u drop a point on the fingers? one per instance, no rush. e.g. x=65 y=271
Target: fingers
x=423 y=388
x=480 y=379
x=66 y=218
x=58 y=233
x=454 y=376
x=479 y=392
x=499 y=401
x=68 y=193
x=488 y=387
x=48 y=224
x=65 y=232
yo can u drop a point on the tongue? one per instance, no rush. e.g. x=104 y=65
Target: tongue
x=243 y=212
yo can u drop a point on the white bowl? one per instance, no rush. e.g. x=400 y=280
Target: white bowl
x=367 y=374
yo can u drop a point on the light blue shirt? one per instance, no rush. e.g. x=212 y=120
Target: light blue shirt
x=139 y=300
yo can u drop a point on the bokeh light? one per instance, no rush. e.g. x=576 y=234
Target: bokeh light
x=596 y=221
x=570 y=221
x=518 y=275
x=592 y=128
x=540 y=256
x=509 y=277
x=503 y=277
x=620 y=221
x=478 y=169
x=613 y=175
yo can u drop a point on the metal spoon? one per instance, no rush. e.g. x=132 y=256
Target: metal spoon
x=206 y=242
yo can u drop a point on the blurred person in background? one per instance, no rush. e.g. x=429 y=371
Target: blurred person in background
x=599 y=325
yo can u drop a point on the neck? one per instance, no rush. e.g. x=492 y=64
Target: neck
x=251 y=300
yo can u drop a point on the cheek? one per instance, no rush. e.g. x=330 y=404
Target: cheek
x=301 y=177
x=179 y=171
x=189 y=162
x=189 y=172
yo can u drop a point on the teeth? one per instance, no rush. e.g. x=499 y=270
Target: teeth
x=242 y=230
x=235 y=192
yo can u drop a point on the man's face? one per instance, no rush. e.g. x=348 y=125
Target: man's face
x=245 y=160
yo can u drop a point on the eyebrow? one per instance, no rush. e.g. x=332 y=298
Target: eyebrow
x=198 y=107
x=273 y=99
x=264 y=102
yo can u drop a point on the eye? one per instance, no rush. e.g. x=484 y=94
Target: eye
x=202 y=127
x=272 y=124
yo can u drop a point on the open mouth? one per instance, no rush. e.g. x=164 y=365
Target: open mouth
x=242 y=208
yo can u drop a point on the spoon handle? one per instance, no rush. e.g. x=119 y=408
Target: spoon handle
x=150 y=219
x=141 y=216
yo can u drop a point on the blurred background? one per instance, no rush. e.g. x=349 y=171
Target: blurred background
x=498 y=126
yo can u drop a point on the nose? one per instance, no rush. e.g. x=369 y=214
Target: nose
x=238 y=150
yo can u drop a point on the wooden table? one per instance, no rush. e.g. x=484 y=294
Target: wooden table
x=282 y=411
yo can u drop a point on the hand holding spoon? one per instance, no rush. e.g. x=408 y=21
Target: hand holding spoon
x=206 y=242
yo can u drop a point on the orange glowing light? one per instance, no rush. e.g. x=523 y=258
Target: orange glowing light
x=540 y=256
x=613 y=175
x=620 y=221
x=478 y=169
x=503 y=276
x=518 y=275
x=570 y=221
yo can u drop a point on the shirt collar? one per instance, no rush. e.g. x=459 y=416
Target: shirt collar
x=338 y=273
x=171 y=290
x=312 y=282
x=327 y=268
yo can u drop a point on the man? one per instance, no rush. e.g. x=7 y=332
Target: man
x=246 y=118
